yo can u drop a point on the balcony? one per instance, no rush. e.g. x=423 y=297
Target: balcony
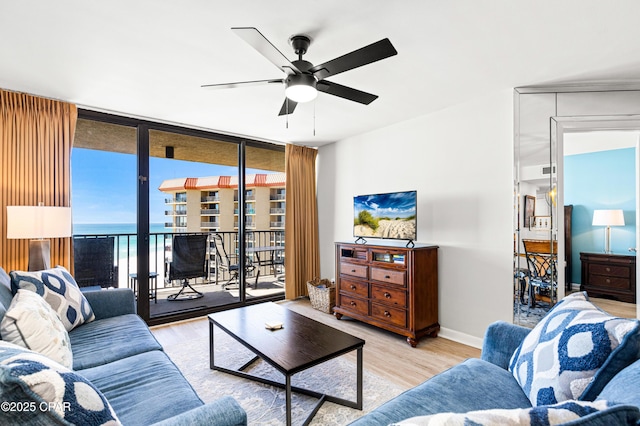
x=265 y=281
x=177 y=200
x=277 y=211
x=209 y=211
x=276 y=224
x=277 y=197
x=210 y=225
x=210 y=199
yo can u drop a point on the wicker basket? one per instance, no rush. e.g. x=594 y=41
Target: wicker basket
x=322 y=294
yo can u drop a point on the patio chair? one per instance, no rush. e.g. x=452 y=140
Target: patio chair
x=93 y=260
x=225 y=264
x=189 y=260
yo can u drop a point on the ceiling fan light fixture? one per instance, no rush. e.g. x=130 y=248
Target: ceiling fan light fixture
x=301 y=88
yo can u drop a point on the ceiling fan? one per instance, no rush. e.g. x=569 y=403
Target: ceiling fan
x=303 y=80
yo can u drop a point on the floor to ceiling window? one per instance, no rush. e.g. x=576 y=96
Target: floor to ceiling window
x=185 y=198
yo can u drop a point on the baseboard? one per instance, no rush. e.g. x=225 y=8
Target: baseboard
x=575 y=287
x=456 y=336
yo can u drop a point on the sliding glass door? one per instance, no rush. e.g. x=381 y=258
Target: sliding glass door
x=199 y=207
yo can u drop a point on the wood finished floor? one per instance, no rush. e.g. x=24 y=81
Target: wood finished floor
x=385 y=354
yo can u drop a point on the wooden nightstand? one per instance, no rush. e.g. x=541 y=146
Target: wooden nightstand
x=609 y=275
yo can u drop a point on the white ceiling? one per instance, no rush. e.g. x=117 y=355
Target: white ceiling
x=148 y=58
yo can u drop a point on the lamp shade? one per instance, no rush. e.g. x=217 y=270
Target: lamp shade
x=301 y=88
x=38 y=222
x=608 y=218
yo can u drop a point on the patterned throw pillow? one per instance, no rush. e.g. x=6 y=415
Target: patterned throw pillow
x=573 y=352
x=568 y=411
x=44 y=392
x=60 y=291
x=31 y=323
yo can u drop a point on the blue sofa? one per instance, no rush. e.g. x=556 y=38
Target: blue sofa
x=119 y=355
x=487 y=384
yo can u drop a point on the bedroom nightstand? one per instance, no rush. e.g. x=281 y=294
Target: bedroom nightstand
x=609 y=275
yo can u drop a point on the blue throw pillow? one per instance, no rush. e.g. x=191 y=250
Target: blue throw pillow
x=37 y=390
x=573 y=352
x=61 y=292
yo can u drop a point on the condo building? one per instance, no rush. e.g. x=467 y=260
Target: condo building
x=210 y=204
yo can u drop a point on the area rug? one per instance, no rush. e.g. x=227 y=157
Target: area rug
x=265 y=405
x=528 y=317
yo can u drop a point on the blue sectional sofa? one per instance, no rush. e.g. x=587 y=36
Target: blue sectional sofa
x=478 y=390
x=118 y=355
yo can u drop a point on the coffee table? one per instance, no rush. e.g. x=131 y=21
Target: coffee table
x=301 y=343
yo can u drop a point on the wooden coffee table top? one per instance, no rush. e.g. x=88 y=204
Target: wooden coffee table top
x=300 y=344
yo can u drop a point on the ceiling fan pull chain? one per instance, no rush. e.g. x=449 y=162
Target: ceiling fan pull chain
x=314 y=117
x=286 y=101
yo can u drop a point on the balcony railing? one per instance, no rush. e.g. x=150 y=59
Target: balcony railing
x=277 y=211
x=210 y=211
x=277 y=197
x=210 y=225
x=175 y=200
x=210 y=199
x=160 y=252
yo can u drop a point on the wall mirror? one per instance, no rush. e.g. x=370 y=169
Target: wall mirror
x=556 y=130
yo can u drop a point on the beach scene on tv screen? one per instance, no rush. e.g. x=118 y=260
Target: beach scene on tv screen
x=390 y=215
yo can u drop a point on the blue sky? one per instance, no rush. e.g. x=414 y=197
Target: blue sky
x=103 y=184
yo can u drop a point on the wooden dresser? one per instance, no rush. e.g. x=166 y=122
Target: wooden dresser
x=394 y=288
x=609 y=275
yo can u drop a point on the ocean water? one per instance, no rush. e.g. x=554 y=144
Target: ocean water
x=127 y=243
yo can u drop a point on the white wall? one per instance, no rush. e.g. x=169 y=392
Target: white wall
x=460 y=160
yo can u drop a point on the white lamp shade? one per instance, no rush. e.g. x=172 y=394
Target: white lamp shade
x=38 y=222
x=608 y=218
x=301 y=88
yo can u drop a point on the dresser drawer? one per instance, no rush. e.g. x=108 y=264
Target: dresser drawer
x=388 y=296
x=609 y=282
x=357 y=288
x=354 y=304
x=359 y=271
x=610 y=270
x=390 y=315
x=390 y=276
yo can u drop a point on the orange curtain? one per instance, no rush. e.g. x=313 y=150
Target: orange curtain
x=36 y=136
x=302 y=256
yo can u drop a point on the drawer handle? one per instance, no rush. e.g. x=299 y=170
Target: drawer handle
x=387 y=277
x=387 y=295
x=352 y=303
x=353 y=270
x=353 y=287
x=608 y=281
x=608 y=269
x=387 y=314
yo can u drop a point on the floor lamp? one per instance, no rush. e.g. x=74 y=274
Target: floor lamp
x=38 y=223
x=608 y=218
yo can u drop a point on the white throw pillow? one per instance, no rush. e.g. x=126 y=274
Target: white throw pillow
x=31 y=323
x=568 y=411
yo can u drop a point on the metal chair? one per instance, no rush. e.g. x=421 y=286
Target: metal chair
x=189 y=260
x=93 y=260
x=224 y=262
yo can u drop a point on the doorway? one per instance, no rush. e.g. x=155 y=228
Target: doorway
x=605 y=146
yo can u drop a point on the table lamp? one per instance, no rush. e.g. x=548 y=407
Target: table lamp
x=38 y=223
x=608 y=218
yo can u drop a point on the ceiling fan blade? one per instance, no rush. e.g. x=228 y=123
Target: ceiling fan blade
x=345 y=92
x=374 y=52
x=259 y=42
x=239 y=84
x=287 y=109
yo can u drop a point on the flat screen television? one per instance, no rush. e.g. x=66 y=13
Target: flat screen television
x=391 y=215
